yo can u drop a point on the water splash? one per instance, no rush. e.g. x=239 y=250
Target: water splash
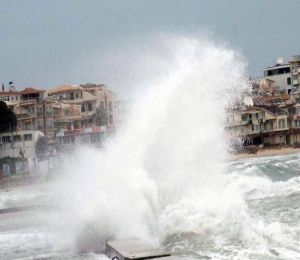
x=163 y=173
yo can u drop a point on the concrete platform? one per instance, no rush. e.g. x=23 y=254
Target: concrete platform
x=135 y=249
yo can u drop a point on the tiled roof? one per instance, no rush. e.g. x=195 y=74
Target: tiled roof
x=64 y=88
x=32 y=91
x=10 y=93
x=91 y=85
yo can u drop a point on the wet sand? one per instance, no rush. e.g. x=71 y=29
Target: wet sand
x=267 y=152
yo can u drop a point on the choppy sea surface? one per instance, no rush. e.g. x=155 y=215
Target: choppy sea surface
x=263 y=224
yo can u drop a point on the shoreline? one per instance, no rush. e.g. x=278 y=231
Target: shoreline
x=17 y=181
x=266 y=152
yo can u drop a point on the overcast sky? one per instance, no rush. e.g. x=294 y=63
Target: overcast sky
x=46 y=43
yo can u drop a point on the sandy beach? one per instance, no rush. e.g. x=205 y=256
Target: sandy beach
x=267 y=152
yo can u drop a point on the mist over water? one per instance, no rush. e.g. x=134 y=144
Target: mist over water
x=163 y=174
x=166 y=176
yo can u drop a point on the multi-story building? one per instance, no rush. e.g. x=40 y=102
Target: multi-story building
x=295 y=71
x=66 y=116
x=33 y=110
x=63 y=109
x=280 y=74
x=82 y=103
x=105 y=100
x=257 y=126
x=285 y=76
x=10 y=97
x=19 y=143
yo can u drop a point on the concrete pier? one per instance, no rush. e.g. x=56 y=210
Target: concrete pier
x=135 y=249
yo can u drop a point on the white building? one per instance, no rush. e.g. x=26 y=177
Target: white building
x=295 y=70
x=280 y=74
x=286 y=77
x=19 y=144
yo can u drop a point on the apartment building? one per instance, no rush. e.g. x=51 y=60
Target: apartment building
x=285 y=77
x=64 y=108
x=295 y=71
x=19 y=143
x=83 y=103
x=105 y=100
x=280 y=74
x=33 y=110
x=257 y=126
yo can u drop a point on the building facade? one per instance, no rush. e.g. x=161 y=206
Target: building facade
x=64 y=108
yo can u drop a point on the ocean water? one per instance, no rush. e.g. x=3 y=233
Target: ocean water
x=266 y=223
x=166 y=178
x=263 y=224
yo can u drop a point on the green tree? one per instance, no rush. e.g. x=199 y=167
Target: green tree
x=8 y=119
x=100 y=117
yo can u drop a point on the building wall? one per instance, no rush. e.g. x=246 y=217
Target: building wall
x=278 y=139
x=280 y=81
x=19 y=144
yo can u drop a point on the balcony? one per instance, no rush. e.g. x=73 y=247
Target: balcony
x=26 y=128
x=26 y=116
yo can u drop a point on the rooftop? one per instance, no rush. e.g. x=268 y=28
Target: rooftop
x=10 y=93
x=136 y=249
x=295 y=58
x=278 y=66
x=32 y=91
x=92 y=85
x=65 y=88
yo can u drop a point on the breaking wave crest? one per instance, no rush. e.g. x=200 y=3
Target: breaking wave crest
x=163 y=178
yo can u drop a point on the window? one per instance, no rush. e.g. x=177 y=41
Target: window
x=82 y=108
x=16 y=138
x=102 y=104
x=6 y=139
x=288 y=81
x=90 y=107
x=76 y=95
x=292 y=110
x=269 y=126
x=4 y=98
x=31 y=110
x=28 y=137
x=71 y=95
x=66 y=112
x=281 y=123
x=284 y=70
x=255 y=128
x=244 y=117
